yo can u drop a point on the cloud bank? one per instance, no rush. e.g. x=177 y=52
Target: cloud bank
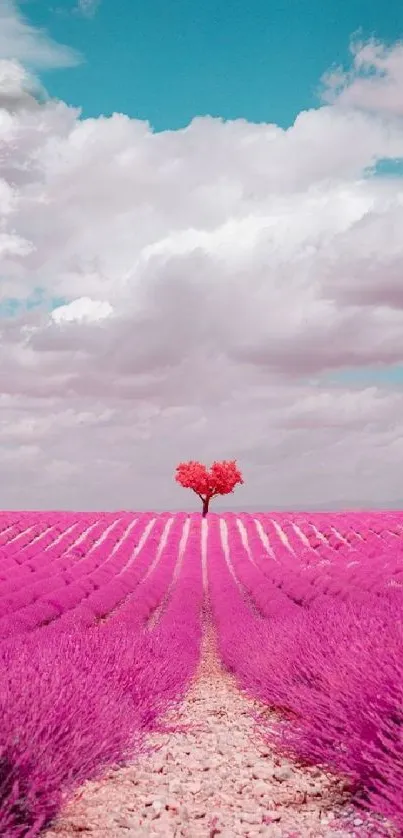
x=200 y=294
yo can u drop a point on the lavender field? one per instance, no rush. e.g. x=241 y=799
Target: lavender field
x=104 y=620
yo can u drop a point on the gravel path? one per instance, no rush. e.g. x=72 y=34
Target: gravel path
x=214 y=777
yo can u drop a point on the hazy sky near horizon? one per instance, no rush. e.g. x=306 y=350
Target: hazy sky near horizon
x=204 y=262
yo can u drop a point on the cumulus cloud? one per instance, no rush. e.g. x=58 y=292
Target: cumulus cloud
x=19 y=41
x=374 y=82
x=18 y=88
x=198 y=289
x=83 y=310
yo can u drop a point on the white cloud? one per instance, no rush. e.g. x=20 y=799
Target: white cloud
x=18 y=88
x=82 y=310
x=19 y=41
x=211 y=278
x=88 y=8
x=375 y=81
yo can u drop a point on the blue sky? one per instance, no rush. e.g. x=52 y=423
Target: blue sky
x=169 y=61
x=381 y=376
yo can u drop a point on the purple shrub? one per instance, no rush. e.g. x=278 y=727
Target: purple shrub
x=73 y=703
x=76 y=697
x=52 y=702
x=334 y=666
x=100 y=632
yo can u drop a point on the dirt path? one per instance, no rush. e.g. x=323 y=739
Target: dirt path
x=215 y=777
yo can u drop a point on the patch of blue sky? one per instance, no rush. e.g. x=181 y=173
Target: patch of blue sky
x=14 y=307
x=380 y=376
x=170 y=61
x=386 y=167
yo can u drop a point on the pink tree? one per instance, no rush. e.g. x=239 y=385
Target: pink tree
x=221 y=479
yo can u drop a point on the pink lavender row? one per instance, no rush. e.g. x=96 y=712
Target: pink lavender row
x=25 y=585
x=14 y=527
x=19 y=563
x=81 y=586
x=51 y=569
x=333 y=529
x=258 y=586
x=276 y=552
x=230 y=606
x=22 y=520
x=383 y=519
x=33 y=530
x=318 y=541
x=335 y=672
x=357 y=574
x=36 y=555
x=347 y=524
x=351 y=539
x=114 y=574
x=295 y=545
x=131 y=597
x=278 y=556
x=343 y=690
x=179 y=627
x=140 y=604
x=99 y=695
x=20 y=541
x=369 y=568
x=99 y=691
x=281 y=552
x=15 y=574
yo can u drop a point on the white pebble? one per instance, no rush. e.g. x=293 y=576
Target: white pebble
x=282 y=773
x=251 y=817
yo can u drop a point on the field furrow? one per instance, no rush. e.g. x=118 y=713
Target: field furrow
x=164 y=674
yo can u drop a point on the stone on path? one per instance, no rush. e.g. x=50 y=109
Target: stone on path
x=216 y=778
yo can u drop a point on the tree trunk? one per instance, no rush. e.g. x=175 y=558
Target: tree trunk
x=206 y=502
